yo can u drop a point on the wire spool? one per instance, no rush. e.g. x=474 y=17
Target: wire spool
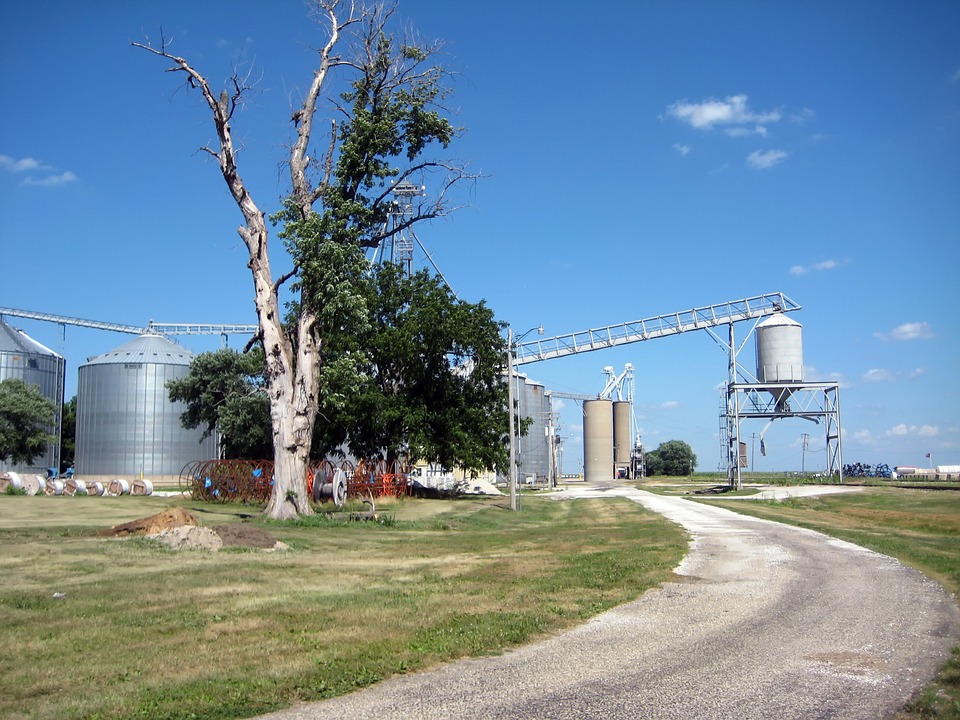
x=75 y=487
x=142 y=487
x=34 y=485
x=10 y=480
x=53 y=487
x=334 y=489
x=118 y=487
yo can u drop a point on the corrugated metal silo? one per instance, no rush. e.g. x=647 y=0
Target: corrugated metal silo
x=621 y=433
x=597 y=440
x=23 y=358
x=126 y=424
x=779 y=353
x=534 y=454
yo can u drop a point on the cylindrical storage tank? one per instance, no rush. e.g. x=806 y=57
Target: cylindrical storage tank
x=621 y=433
x=534 y=461
x=126 y=424
x=779 y=350
x=780 y=355
x=597 y=440
x=23 y=358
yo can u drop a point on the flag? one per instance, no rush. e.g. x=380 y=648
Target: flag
x=928 y=456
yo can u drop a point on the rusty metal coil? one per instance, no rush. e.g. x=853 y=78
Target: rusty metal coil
x=250 y=481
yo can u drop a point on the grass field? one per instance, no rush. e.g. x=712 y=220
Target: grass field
x=145 y=631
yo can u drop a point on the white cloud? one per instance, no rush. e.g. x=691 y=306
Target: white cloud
x=31 y=167
x=52 y=180
x=746 y=132
x=823 y=265
x=864 y=436
x=22 y=165
x=766 y=159
x=732 y=110
x=878 y=375
x=956 y=76
x=802 y=116
x=908 y=331
x=670 y=404
x=684 y=150
x=903 y=430
x=917 y=372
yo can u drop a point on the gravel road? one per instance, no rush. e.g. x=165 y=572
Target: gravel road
x=764 y=621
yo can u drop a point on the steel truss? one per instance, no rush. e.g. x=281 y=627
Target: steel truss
x=818 y=402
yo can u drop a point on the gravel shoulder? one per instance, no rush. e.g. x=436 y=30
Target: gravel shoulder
x=764 y=620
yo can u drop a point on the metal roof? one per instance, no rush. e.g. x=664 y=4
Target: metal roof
x=153 y=349
x=17 y=341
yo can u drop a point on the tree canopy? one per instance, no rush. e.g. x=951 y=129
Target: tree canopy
x=224 y=391
x=433 y=376
x=674 y=457
x=387 y=119
x=25 y=417
x=420 y=375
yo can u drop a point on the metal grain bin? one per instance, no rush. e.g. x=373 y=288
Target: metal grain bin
x=126 y=424
x=622 y=437
x=23 y=358
x=534 y=452
x=780 y=354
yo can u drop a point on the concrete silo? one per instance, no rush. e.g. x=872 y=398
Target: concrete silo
x=126 y=424
x=779 y=354
x=597 y=440
x=23 y=358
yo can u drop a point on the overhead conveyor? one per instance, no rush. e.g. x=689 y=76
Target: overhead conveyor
x=654 y=327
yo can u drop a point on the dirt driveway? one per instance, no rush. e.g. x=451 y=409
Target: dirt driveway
x=764 y=621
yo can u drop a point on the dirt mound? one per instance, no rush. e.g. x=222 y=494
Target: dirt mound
x=189 y=537
x=242 y=535
x=180 y=530
x=169 y=518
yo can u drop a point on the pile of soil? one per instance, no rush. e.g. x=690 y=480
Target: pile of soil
x=169 y=518
x=180 y=530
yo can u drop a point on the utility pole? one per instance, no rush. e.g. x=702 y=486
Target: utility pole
x=803 y=456
x=753 y=450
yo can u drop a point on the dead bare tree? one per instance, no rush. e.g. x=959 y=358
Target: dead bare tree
x=379 y=132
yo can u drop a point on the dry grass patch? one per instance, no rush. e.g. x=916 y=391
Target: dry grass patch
x=163 y=634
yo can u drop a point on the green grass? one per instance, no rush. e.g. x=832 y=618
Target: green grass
x=921 y=528
x=144 y=631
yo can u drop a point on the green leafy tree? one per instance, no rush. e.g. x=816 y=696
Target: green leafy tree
x=421 y=375
x=225 y=391
x=387 y=116
x=674 y=457
x=25 y=418
x=68 y=434
x=433 y=376
x=653 y=464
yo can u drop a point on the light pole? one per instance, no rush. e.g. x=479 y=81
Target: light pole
x=511 y=347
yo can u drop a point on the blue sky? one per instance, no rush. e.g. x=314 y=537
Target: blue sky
x=640 y=158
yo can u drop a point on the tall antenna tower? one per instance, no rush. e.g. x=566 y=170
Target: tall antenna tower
x=401 y=241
